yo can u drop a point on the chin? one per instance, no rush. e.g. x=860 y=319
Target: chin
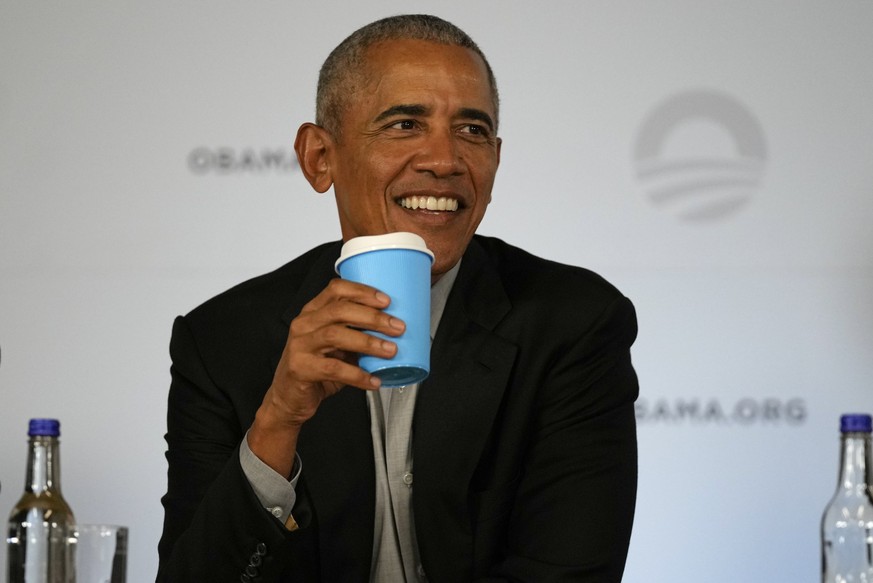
x=441 y=267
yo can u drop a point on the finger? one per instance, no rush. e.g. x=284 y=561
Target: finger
x=328 y=356
x=359 y=317
x=349 y=314
x=329 y=340
x=334 y=370
x=343 y=289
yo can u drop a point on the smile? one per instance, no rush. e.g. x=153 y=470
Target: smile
x=431 y=203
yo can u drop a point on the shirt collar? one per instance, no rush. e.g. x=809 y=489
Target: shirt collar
x=439 y=293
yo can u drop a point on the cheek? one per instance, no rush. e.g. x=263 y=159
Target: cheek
x=484 y=184
x=483 y=167
x=384 y=166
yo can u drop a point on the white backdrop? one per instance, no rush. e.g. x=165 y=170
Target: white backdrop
x=714 y=160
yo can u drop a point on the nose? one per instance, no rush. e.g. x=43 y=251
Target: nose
x=439 y=155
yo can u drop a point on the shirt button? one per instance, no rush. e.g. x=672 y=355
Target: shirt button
x=421 y=575
x=407 y=478
x=277 y=512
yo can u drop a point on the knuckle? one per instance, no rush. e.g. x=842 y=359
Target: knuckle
x=336 y=286
x=296 y=328
x=374 y=343
x=331 y=367
x=331 y=335
x=334 y=310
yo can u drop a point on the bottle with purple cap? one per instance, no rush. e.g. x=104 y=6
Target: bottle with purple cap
x=847 y=523
x=40 y=539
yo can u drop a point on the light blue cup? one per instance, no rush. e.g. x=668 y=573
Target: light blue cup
x=397 y=264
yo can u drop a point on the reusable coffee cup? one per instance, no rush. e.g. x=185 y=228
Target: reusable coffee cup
x=397 y=264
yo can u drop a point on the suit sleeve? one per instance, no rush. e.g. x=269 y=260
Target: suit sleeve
x=574 y=508
x=215 y=528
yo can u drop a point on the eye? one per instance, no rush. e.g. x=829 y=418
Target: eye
x=476 y=130
x=404 y=124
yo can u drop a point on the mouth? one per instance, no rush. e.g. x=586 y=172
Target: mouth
x=429 y=203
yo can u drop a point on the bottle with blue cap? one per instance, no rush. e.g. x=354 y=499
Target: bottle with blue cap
x=40 y=539
x=847 y=523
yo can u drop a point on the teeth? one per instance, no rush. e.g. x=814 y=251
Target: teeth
x=430 y=203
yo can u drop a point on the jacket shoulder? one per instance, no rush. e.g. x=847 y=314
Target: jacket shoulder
x=527 y=277
x=269 y=293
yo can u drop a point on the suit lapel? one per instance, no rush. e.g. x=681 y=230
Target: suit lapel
x=457 y=404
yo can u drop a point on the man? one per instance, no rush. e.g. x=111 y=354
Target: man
x=514 y=461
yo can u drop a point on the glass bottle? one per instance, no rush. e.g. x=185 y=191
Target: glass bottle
x=847 y=523
x=40 y=538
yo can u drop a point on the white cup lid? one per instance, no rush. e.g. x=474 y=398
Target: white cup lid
x=367 y=243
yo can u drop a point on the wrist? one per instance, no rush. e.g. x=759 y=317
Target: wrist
x=273 y=442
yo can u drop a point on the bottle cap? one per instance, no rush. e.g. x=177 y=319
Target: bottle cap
x=47 y=427
x=856 y=423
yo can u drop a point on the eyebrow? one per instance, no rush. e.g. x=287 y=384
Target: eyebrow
x=414 y=110
x=410 y=110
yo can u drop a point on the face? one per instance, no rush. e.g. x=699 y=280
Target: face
x=417 y=149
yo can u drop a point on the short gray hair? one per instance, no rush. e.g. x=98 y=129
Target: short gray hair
x=339 y=73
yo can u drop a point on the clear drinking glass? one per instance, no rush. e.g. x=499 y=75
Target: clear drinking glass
x=101 y=553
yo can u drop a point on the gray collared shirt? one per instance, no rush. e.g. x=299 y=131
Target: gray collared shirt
x=395 y=549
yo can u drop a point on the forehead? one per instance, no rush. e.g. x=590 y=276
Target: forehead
x=404 y=69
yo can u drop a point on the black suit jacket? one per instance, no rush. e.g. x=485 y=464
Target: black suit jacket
x=524 y=440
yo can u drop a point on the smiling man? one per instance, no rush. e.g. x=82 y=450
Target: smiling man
x=514 y=461
x=418 y=149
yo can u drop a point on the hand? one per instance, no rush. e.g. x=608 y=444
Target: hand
x=320 y=358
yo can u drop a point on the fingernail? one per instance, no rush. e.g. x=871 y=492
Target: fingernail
x=383 y=298
x=375 y=382
x=396 y=323
x=388 y=346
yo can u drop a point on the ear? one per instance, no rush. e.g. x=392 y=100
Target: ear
x=312 y=145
